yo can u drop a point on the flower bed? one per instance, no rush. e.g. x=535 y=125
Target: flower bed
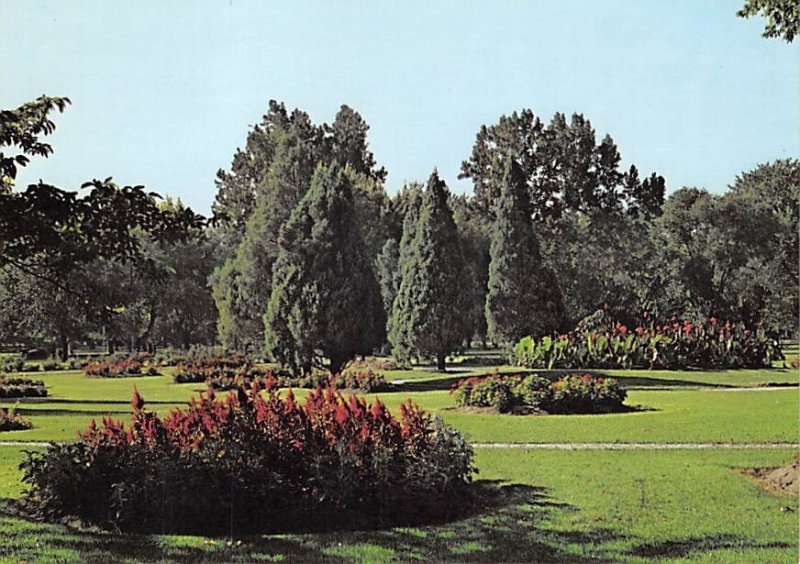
x=126 y=368
x=672 y=346
x=227 y=374
x=22 y=388
x=254 y=462
x=572 y=394
x=10 y=421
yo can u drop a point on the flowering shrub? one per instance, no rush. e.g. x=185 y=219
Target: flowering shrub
x=22 y=388
x=10 y=421
x=533 y=394
x=672 y=346
x=254 y=461
x=119 y=368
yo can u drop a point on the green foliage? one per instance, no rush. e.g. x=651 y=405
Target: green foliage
x=21 y=388
x=11 y=421
x=428 y=312
x=783 y=17
x=254 y=462
x=523 y=296
x=672 y=346
x=325 y=298
x=571 y=394
x=563 y=165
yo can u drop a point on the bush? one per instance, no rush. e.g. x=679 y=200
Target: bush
x=673 y=346
x=12 y=363
x=255 y=462
x=119 y=368
x=532 y=394
x=10 y=421
x=22 y=388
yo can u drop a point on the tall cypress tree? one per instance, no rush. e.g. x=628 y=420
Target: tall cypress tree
x=325 y=298
x=427 y=314
x=523 y=297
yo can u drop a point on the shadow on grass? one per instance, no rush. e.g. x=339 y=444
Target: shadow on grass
x=505 y=524
x=680 y=548
x=447 y=382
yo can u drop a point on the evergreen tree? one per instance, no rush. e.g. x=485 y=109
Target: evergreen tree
x=522 y=297
x=427 y=315
x=325 y=299
x=387 y=268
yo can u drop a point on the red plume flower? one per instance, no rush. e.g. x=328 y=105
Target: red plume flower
x=137 y=402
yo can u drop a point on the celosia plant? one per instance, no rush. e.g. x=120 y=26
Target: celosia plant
x=255 y=460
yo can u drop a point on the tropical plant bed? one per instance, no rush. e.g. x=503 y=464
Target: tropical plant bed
x=11 y=421
x=675 y=345
x=532 y=394
x=21 y=388
x=255 y=461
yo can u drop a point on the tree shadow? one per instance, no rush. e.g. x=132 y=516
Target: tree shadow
x=505 y=523
x=680 y=548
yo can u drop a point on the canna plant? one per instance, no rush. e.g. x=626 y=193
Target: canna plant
x=672 y=346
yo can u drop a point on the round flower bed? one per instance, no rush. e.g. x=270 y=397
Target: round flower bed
x=255 y=462
x=572 y=394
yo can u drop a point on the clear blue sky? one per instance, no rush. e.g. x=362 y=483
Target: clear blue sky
x=164 y=92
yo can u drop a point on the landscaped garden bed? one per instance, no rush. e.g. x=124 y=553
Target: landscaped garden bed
x=674 y=345
x=125 y=368
x=226 y=373
x=532 y=394
x=11 y=421
x=22 y=388
x=254 y=462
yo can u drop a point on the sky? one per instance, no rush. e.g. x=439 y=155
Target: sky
x=164 y=92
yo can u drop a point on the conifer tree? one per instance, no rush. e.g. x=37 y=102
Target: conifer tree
x=427 y=314
x=523 y=297
x=325 y=300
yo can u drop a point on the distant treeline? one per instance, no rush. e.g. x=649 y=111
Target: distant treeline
x=309 y=260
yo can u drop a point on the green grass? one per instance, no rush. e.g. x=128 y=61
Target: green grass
x=564 y=506
x=679 y=415
x=555 y=506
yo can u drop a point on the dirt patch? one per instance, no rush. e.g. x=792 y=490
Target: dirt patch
x=782 y=480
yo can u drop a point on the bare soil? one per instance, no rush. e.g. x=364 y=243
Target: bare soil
x=783 y=480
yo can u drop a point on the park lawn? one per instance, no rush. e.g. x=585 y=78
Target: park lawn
x=675 y=416
x=585 y=506
x=428 y=378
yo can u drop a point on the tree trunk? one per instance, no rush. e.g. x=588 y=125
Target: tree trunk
x=440 y=366
x=63 y=350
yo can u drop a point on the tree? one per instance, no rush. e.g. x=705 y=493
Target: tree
x=474 y=232
x=53 y=235
x=783 y=17
x=563 y=166
x=428 y=313
x=268 y=179
x=523 y=297
x=387 y=269
x=325 y=299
